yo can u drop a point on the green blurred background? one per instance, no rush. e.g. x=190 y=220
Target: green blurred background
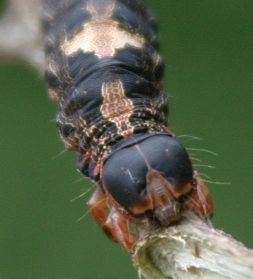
x=207 y=46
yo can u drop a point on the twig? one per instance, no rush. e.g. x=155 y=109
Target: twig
x=20 y=33
x=192 y=249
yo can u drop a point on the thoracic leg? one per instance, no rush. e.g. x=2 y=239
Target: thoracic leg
x=201 y=200
x=98 y=207
x=114 y=224
x=117 y=225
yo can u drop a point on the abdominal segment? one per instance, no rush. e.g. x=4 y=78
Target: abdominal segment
x=104 y=71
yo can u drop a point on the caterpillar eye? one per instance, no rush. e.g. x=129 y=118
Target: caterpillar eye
x=149 y=176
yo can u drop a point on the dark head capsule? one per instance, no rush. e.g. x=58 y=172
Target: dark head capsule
x=149 y=176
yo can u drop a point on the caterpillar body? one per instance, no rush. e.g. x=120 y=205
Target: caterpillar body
x=105 y=73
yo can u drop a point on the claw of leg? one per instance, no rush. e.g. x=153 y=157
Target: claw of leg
x=201 y=200
x=117 y=225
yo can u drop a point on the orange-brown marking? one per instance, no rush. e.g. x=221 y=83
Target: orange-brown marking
x=200 y=200
x=160 y=193
x=116 y=107
x=114 y=224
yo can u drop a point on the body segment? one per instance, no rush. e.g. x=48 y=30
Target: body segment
x=105 y=73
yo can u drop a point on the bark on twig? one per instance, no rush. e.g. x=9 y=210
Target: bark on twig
x=20 y=33
x=191 y=249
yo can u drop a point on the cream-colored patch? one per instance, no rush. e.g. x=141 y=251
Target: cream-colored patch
x=100 y=9
x=103 y=37
x=54 y=95
x=116 y=107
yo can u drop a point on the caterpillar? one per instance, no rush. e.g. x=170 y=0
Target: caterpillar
x=105 y=73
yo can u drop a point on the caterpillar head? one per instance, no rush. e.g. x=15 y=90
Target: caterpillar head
x=150 y=178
